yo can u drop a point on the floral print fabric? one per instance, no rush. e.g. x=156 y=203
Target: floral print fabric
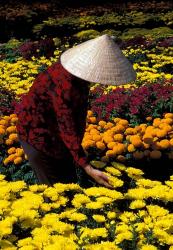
x=52 y=115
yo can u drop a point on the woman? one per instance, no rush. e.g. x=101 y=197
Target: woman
x=52 y=115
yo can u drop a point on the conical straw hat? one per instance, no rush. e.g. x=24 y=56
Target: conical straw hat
x=99 y=60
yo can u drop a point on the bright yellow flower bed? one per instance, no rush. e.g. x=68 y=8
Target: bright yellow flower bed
x=46 y=217
x=158 y=56
x=20 y=75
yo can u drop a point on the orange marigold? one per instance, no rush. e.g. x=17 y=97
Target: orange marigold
x=100 y=145
x=161 y=133
x=92 y=119
x=13 y=115
x=118 y=137
x=118 y=129
x=149 y=129
x=7 y=118
x=167 y=121
x=107 y=138
x=3 y=122
x=128 y=137
x=109 y=125
x=119 y=148
x=11 y=150
x=143 y=125
x=89 y=113
x=141 y=128
x=13 y=137
x=138 y=129
x=149 y=118
x=156 y=122
x=6 y=161
x=153 y=132
x=136 y=140
x=2 y=131
x=96 y=138
x=110 y=153
x=87 y=144
x=8 y=142
x=169 y=115
x=145 y=145
x=131 y=148
x=147 y=138
x=2 y=126
x=102 y=123
x=12 y=157
x=110 y=145
x=90 y=126
x=123 y=122
x=130 y=131
x=167 y=128
x=164 y=144
x=19 y=151
x=99 y=127
x=94 y=131
x=87 y=136
x=117 y=119
x=11 y=129
x=14 y=120
x=18 y=160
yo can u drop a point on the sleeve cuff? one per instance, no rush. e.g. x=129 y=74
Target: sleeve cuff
x=82 y=162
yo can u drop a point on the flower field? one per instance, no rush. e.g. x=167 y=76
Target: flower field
x=128 y=136
x=137 y=217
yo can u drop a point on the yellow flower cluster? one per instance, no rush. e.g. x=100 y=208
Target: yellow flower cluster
x=117 y=139
x=109 y=88
x=51 y=224
x=155 y=55
x=19 y=76
x=9 y=137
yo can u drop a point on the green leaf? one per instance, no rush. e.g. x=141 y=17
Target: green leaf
x=98 y=164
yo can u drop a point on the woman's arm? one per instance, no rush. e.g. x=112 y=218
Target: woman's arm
x=67 y=127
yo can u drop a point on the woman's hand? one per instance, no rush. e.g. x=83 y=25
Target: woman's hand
x=98 y=176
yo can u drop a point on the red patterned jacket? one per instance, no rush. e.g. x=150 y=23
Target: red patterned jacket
x=52 y=115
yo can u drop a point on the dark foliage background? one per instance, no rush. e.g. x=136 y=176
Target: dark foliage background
x=18 y=17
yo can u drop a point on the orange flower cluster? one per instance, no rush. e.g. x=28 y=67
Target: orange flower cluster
x=113 y=139
x=9 y=137
x=116 y=139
